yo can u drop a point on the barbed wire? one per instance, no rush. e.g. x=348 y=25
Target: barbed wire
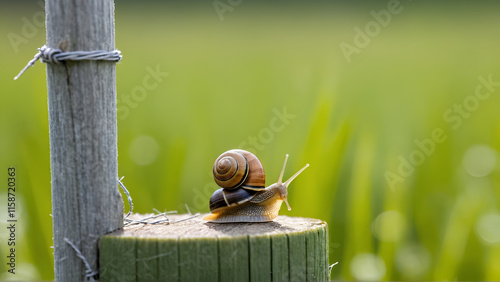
x=54 y=55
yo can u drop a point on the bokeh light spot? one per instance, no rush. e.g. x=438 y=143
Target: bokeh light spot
x=488 y=228
x=413 y=261
x=389 y=226
x=479 y=160
x=367 y=267
x=143 y=150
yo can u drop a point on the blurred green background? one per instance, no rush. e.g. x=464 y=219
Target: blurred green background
x=400 y=205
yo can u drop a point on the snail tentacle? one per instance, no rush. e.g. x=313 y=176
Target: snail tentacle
x=295 y=175
x=280 y=179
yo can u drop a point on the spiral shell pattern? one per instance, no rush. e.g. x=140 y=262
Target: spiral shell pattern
x=239 y=169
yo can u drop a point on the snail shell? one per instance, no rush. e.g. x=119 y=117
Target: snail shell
x=239 y=169
x=240 y=174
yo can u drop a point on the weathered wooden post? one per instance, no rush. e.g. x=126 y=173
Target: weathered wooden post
x=286 y=249
x=86 y=202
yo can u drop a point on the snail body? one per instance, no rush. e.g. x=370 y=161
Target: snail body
x=243 y=196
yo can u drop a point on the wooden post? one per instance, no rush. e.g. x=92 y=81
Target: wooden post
x=286 y=249
x=86 y=202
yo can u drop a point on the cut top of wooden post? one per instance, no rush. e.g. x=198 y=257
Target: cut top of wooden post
x=288 y=248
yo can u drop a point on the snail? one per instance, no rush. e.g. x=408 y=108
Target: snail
x=243 y=196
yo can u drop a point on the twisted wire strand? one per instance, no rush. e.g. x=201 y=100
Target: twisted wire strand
x=53 y=55
x=89 y=273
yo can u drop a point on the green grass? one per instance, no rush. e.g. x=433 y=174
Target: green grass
x=352 y=122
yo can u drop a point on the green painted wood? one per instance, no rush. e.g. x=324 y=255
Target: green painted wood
x=208 y=259
x=280 y=270
x=147 y=259
x=297 y=257
x=188 y=268
x=260 y=258
x=287 y=249
x=117 y=258
x=168 y=258
x=233 y=258
x=311 y=251
x=323 y=254
x=198 y=259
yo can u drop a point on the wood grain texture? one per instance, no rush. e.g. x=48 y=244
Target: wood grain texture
x=83 y=133
x=287 y=249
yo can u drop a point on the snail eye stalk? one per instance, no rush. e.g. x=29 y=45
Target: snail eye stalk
x=295 y=175
x=280 y=179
